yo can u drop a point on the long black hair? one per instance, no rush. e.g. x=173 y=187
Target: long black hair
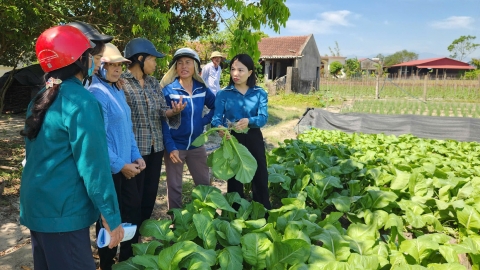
x=248 y=62
x=44 y=99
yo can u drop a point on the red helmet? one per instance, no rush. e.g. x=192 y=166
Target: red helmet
x=60 y=46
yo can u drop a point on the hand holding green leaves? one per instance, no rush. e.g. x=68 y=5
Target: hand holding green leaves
x=232 y=158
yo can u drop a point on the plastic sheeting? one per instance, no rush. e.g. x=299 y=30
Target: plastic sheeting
x=432 y=127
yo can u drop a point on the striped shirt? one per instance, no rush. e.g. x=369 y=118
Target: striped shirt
x=148 y=108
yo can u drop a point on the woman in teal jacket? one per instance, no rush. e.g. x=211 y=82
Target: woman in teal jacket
x=66 y=183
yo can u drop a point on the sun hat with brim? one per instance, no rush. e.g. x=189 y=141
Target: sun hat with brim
x=216 y=54
x=111 y=54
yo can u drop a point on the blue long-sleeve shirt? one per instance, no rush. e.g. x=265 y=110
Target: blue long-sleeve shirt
x=122 y=147
x=192 y=121
x=232 y=105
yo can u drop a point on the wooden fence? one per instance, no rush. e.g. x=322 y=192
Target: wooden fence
x=414 y=87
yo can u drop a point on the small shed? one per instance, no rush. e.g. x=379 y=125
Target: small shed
x=368 y=65
x=295 y=57
x=26 y=83
x=442 y=66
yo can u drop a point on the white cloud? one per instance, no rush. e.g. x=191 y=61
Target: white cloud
x=322 y=24
x=454 y=22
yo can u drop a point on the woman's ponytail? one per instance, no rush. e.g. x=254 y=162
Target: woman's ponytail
x=44 y=99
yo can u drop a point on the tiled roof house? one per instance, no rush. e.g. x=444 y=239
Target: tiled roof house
x=299 y=53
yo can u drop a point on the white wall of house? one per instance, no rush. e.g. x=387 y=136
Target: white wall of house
x=332 y=59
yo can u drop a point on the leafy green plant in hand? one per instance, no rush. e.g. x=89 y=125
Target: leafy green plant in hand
x=231 y=158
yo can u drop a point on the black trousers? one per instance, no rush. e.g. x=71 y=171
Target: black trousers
x=66 y=250
x=253 y=141
x=147 y=182
x=129 y=201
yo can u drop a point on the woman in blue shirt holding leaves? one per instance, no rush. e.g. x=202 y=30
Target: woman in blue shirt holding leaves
x=246 y=105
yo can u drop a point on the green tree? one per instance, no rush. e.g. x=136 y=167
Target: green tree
x=21 y=23
x=379 y=71
x=475 y=62
x=352 y=67
x=399 y=57
x=336 y=50
x=335 y=68
x=219 y=41
x=251 y=17
x=462 y=47
x=167 y=23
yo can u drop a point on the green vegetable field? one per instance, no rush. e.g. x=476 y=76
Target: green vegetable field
x=342 y=201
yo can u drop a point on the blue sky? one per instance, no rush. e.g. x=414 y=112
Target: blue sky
x=366 y=28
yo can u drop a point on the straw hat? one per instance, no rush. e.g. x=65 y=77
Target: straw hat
x=216 y=54
x=111 y=54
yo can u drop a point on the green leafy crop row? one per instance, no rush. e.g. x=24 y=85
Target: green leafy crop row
x=342 y=201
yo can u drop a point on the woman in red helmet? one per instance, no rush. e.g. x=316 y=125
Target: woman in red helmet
x=66 y=183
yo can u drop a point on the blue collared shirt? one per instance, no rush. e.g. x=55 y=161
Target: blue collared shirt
x=232 y=105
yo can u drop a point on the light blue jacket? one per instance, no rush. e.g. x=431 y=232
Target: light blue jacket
x=122 y=147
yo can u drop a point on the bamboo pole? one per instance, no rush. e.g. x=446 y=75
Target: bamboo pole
x=455 y=90
x=425 y=88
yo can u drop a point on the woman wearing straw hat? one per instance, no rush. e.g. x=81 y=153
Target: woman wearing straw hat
x=125 y=159
x=66 y=182
x=212 y=72
x=183 y=82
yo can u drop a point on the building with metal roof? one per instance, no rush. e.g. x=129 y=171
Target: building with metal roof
x=441 y=66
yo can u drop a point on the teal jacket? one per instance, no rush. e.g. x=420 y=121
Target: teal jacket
x=66 y=182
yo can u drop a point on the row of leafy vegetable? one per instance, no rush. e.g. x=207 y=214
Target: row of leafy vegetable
x=344 y=201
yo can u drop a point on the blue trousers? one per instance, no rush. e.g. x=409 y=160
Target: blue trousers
x=66 y=250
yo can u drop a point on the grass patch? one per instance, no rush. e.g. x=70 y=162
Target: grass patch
x=447 y=109
x=297 y=100
x=187 y=187
x=277 y=114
